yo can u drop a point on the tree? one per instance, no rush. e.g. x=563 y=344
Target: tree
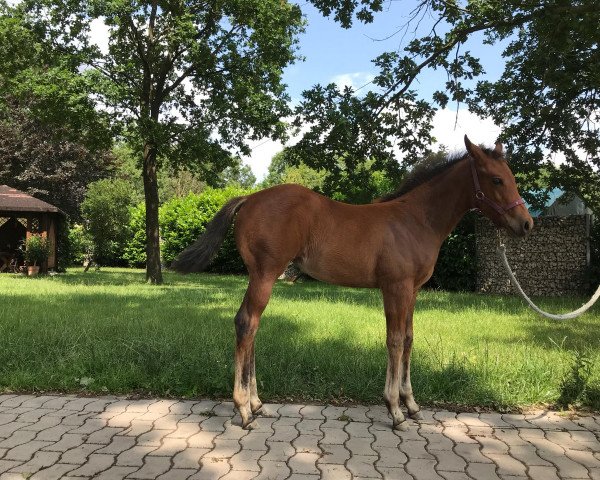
x=236 y=174
x=33 y=158
x=346 y=131
x=175 y=182
x=547 y=100
x=188 y=80
x=52 y=140
x=282 y=170
x=361 y=185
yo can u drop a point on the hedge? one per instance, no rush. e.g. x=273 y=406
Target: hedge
x=182 y=220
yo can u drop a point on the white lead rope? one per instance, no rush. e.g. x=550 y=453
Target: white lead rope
x=514 y=281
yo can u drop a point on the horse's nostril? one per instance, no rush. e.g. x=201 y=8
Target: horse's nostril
x=526 y=226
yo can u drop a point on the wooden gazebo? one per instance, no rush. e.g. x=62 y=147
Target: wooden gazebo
x=21 y=216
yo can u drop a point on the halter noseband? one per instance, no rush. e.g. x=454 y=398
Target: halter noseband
x=480 y=196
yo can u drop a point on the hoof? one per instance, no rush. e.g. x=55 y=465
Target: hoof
x=402 y=426
x=416 y=416
x=249 y=425
x=258 y=410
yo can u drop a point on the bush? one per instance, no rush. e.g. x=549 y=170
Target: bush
x=77 y=246
x=66 y=250
x=134 y=251
x=456 y=268
x=182 y=220
x=106 y=214
x=37 y=249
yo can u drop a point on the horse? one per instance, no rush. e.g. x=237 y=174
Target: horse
x=391 y=244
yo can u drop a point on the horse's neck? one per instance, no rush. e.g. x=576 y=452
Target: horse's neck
x=444 y=200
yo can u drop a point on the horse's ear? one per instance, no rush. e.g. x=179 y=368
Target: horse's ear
x=499 y=149
x=474 y=150
x=467 y=142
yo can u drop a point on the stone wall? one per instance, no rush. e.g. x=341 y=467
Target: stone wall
x=553 y=260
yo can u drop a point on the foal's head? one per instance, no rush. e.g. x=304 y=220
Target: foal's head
x=497 y=195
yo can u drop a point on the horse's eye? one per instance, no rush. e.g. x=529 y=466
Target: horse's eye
x=497 y=181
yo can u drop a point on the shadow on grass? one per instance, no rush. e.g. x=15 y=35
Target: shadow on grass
x=453 y=302
x=161 y=346
x=92 y=277
x=580 y=334
x=125 y=276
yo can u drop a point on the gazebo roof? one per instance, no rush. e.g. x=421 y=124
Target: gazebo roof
x=13 y=200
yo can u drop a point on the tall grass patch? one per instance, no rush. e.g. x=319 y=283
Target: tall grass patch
x=108 y=331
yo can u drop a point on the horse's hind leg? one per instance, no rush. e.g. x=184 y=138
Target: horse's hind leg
x=255 y=403
x=247 y=319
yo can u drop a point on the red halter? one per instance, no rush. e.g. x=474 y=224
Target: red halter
x=479 y=195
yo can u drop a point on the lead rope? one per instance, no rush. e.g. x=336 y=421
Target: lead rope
x=515 y=282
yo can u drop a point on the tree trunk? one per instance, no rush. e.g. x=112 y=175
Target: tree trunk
x=153 y=270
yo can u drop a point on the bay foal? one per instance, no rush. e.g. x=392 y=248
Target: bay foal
x=391 y=245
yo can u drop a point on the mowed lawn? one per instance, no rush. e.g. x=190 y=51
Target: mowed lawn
x=109 y=332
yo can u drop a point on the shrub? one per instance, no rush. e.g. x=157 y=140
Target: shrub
x=77 y=245
x=37 y=249
x=456 y=268
x=184 y=219
x=106 y=214
x=134 y=251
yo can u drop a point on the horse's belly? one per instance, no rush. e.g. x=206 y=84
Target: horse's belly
x=344 y=272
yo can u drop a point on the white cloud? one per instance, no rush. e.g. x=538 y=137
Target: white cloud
x=355 y=80
x=262 y=152
x=99 y=33
x=449 y=129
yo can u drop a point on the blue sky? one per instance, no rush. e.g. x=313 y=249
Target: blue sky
x=344 y=56
x=331 y=51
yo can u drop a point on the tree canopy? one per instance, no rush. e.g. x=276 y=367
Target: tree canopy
x=53 y=141
x=547 y=101
x=360 y=185
x=188 y=81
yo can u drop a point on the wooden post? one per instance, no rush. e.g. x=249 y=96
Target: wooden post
x=43 y=221
x=52 y=240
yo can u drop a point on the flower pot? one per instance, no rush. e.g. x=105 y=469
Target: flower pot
x=32 y=271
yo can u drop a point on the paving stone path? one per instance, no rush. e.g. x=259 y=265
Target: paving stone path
x=69 y=437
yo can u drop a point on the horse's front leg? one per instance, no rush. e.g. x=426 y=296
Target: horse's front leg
x=406 y=393
x=396 y=301
x=255 y=403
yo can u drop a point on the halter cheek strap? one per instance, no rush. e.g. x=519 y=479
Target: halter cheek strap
x=480 y=196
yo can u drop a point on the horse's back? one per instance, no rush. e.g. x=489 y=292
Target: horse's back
x=275 y=224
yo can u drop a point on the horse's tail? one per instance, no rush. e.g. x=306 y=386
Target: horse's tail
x=198 y=255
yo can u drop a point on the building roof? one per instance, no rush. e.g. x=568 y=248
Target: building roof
x=13 y=200
x=560 y=204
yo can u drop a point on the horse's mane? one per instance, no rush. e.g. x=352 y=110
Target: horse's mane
x=429 y=167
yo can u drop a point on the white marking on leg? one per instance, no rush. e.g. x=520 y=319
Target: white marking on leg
x=392 y=382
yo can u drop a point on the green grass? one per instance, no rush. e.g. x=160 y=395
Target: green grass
x=108 y=331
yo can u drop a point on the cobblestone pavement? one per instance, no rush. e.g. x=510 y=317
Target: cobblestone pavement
x=69 y=437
